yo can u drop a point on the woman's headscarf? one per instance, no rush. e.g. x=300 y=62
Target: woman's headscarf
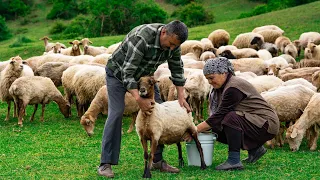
x=218 y=65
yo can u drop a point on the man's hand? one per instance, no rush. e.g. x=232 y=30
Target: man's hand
x=183 y=103
x=145 y=104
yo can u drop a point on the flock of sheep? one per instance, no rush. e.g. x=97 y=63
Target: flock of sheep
x=264 y=57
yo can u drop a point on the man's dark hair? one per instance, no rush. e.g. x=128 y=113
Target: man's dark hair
x=178 y=28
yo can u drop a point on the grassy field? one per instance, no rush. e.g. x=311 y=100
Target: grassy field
x=60 y=149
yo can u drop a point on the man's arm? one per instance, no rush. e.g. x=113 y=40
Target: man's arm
x=182 y=101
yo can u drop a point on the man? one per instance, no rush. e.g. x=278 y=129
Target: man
x=141 y=52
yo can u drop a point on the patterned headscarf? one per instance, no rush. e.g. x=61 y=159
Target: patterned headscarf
x=218 y=65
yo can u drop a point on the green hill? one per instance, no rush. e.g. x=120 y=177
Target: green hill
x=293 y=21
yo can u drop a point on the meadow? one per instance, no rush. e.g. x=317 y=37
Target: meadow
x=59 y=148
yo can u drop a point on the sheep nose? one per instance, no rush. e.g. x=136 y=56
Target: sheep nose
x=142 y=89
x=86 y=47
x=270 y=74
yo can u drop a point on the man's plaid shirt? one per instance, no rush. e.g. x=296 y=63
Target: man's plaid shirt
x=140 y=54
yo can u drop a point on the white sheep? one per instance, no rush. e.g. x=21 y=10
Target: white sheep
x=307 y=53
x=168 y=123
x=193 y=46
x=86 y=83
x=288 y=58
x=291 y=50
x=316 y=79
x=267 y=27
x=223 y=48
x=315 y=50
x=219 y=37
x=264 y=54
x=272 y=48
x=264 y=82
x=100 y=105
x=307 y=63
x=56 y=48
x=275 y=64
x=299 y=81
x=36 y=90
x=74 y=50
x=240 y=53
x=4 y=64
x=207 y=44
x=207 y=55
x=82 y=59
x=101 y=58
x=255 y=65
x=288 y=102
x=92 y=50
x=40 y=60
x=270 y=35
x=48 y=46
x=248 y=40
x=281 y=42
x=310 y=119
x=309 y=37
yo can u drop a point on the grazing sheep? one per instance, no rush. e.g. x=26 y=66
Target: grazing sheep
x=255 y=65
x=219 y=37
x=113 y=47
x=270 y=35
x=307 y=63
x=245 y=75
x=53 y=70
x=310 y=119
x=291 y=50
x=207 y=55
x=207 y=44
x=307 y=37
x=192 y=46
x=267 y=27
x=264 y=83
x=12 y=72
x=239 y=53
x=168 y=123
x=288 y=102
x=48 y=46
x=36 y=90
x=281 y=42
x=248 y=40
x=223 y=48
x=100 y=105
x=74 y=50
x=264 y=54
x=86 y=83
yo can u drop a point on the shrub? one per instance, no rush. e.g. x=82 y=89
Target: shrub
x=77 y=27
x=14 y=8
x=193 y=14
x=20 y=41
x=4 y=30
x=63 y=9
x=21 y=31
x=182 y=2
x=58 y=27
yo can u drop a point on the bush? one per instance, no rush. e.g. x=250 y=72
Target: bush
x=193 y=14
x=58 y=27
x=14 y=8
x=4 y=30
x=20 y=41
x=63 y=9
x=77 y=27
x=21 y=31
x=260 y=9
x=182 y=2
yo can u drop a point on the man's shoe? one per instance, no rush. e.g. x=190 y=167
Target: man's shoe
x=227 y=166
x=105 y=170
x=163 y=166
x=255 y=156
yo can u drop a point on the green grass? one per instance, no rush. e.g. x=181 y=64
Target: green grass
x=60 y=149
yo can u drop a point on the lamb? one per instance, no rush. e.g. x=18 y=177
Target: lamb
x=270 y=35
x=264 y=83
x=207 y=44
x=100 y=105
x=53 y=70
x=36 y=90
x=288 y=102
x=281 y=42
x=207 y=55
x=12 y=72
x=240 y=53
x=307 y=53
x=310 y=119
x=315 y=50
x=219 y=37
x=255 y=65
x=249 y=40
x=86 y=83
x=113 y=48
x=267 y=27
x=48 y=46
x=57 y=48
x=168 y=123
x=92 y=50
x=74 y=50
x=275 y=64
x=192 y=46
x=307 y=63
x=264 y=54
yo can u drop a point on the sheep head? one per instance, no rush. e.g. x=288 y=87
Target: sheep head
x=75 y=44
x=64 y=107
x=294 y=137
x=87 y=121
x=146 y=86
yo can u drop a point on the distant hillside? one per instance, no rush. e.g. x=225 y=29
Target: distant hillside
x=293 y=21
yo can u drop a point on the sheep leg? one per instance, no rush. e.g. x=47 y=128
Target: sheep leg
x=153 y=144
x=15 y=113
x=133 y=122
x=146 y=173
x=8 y=112
x=194 y=135
x=201 y=109
x=181 y=161
x=34 y=112
x=313 y=138
x=42 y=112
x=22 y=108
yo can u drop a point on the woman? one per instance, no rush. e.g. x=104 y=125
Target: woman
x=238 y=114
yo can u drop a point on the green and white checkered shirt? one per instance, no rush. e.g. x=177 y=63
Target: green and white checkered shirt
x=140 y=54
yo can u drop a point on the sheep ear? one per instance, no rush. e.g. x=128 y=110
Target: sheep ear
x=294 y=133
x=88 y=122
x=70 y=42
x=80 y=43
x=90 y=42
x=255 y=40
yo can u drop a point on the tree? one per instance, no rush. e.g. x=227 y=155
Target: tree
x=4 y=30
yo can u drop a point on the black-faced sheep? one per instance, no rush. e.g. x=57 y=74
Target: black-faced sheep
x=36 y=90
x=248 y=40
x=168 y=123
